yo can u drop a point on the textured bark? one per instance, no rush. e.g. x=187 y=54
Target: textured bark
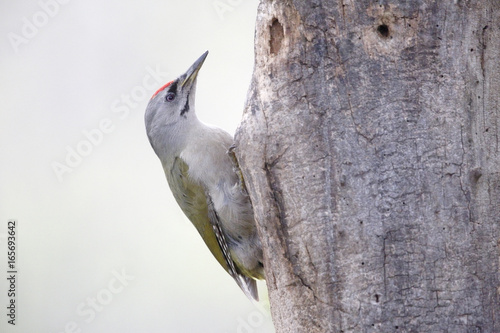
x=370 y=149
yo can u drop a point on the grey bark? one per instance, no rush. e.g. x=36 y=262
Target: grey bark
x=370 y=149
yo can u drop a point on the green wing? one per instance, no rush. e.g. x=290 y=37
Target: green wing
x=197 y=204
x=192 y=199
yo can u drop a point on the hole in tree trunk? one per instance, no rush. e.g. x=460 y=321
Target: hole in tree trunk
x=277 y=34
x=383 y=30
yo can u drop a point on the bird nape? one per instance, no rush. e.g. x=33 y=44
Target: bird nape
x=200 y=171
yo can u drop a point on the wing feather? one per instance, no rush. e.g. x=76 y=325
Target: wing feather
x=197 y=204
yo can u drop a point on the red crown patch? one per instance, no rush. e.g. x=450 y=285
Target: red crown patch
x=165 y=86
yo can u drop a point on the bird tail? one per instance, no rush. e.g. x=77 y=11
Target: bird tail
x=249 y=286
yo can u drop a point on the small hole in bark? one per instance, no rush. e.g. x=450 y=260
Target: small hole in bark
x=476 y=174
x=383 y=30
x=377 y=298
x=362 y=263
x=276 y=36
x=472 y=50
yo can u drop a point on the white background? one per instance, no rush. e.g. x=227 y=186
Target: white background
x=65 y=68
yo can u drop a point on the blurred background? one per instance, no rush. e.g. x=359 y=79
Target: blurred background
x=101 y=244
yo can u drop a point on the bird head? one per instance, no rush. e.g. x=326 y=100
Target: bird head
x=171 y=107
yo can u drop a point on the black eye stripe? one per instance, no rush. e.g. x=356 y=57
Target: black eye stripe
x=173 y=87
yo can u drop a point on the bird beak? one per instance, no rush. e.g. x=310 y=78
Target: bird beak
x=192 y=72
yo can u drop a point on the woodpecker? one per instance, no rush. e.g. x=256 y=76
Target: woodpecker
x=203 y=176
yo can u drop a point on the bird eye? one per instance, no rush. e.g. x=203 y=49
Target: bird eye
x=170 y=97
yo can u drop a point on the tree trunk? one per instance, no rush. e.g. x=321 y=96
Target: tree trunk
x=370 y=149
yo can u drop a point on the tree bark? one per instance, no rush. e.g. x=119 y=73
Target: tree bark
x=370 y=148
